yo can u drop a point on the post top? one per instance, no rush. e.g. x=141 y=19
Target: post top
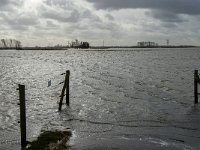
x=68 y=72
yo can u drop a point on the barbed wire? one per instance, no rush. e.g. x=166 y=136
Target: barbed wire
x=48 y=84
x=9 y=141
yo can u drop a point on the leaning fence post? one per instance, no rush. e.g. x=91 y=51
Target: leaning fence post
x=67 y=86
x=61 y=97
x=22 y=115
x=195 y=87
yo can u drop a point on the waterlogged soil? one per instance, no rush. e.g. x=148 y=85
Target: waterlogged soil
x=119 y=99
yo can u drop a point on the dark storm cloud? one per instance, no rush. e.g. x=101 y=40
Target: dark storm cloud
x=18 y=22
x=50 y=24
x=166 y=16
x=65 y=11
x=7 y=5
x=165 y=10
x=73 y=17
x=110 y=17
x=60 y=10
x=3 y=3
x=60 y=3
x=176 y=6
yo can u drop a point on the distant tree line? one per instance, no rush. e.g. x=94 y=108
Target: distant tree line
x=10 y=44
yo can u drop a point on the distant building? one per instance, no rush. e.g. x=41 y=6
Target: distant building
x=77 y=44
x=147 y=44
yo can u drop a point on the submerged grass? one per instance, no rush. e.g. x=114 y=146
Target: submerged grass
x=51 y=140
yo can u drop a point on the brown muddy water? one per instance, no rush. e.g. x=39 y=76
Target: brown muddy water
x=120 y=99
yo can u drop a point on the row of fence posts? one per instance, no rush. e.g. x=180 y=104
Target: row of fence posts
x=66 y=88
x=22 y=103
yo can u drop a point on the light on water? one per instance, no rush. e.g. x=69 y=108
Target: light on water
x=140 y=98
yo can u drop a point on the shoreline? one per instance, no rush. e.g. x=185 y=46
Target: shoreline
x=96 y=47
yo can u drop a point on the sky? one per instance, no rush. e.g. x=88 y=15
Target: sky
x=116 y=22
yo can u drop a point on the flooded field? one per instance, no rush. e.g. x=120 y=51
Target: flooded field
x=121 y=99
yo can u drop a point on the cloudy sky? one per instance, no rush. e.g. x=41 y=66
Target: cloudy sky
x=117 y=22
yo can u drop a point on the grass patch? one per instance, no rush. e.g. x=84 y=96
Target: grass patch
x=51 y=140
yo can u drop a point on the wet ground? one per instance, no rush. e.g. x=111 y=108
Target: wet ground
x=122 y=99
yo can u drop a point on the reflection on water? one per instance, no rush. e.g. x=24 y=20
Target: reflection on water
x=138 y=95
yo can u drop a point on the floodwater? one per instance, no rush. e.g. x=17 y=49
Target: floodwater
x=120 y=99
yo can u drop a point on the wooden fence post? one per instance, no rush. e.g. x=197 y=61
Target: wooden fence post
x=195 y=87
x=61 y=96
x=67 y=86
x=22 y=115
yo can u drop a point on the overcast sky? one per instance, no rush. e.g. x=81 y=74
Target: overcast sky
x=117 y=22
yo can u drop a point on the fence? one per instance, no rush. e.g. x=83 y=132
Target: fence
x=66 y=88
x=22 y=103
